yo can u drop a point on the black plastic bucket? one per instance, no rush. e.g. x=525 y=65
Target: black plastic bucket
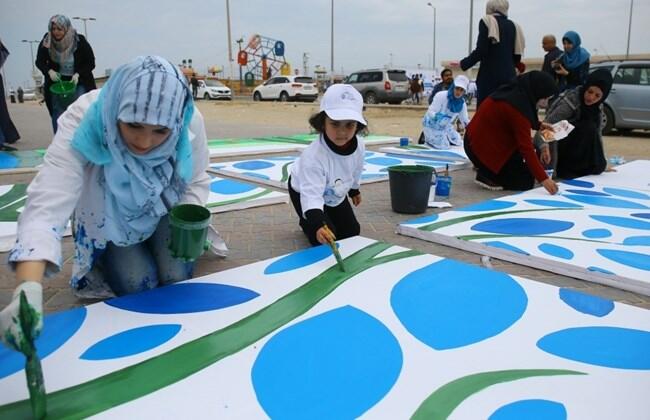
x=409 y=188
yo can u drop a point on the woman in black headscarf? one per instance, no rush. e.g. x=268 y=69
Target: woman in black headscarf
x=498 y=137
x=581 y=153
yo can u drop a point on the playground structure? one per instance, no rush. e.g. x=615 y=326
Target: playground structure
x=262 y=58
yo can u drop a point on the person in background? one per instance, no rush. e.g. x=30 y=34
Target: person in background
x=329 y=170
x=552 y=53
x=415 y=87
x=581 y=152
x=195 y=85
x=64 y=54
x=122 y=158
x=447 y=107
x=447 y=78
x=8 y=132
x=498 y=141
x=499 y=48
x=572 y=66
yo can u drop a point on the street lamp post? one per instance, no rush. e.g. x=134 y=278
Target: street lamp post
x=229 y=39
x=629 y=30
x=471 y=18
x=85 y=19
x=434 y=36
x=31 y=50
x=332 y=39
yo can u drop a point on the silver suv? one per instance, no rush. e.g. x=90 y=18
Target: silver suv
x=628 y=104
x=380 y=85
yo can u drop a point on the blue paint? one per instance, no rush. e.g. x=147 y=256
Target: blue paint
x=368 y=154
x=384 y=161
x=442 y=153
x=553 y=203
x=599 y=270
x=578 y=183
x=507 y=247
x=637 y=240
x=641 y=215
x=8 y=161
x=336 y=365
x=424 y=219
x=631 y=259
x=522 y=226
x=57 y=329
x=449 y=304
x=253 y=165
x=372 y=175
x=618 y=203
x=285 y=158
x=587 y=304
x=256 y=175
x=531 y=410
x=626 y=193
x=299 y=259
x=432 y=163
x=184 y=298
x=613 y=347
x=130 y=342
x=625 y=222
x=556 y=251
x=490 y=205
x=589 y=193
x=228 y=186
x=597 y=233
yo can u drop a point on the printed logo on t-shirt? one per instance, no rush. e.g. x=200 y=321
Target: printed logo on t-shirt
x=334 y=194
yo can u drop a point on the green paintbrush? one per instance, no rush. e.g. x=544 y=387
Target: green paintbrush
x=33 y=371
x=335 y=250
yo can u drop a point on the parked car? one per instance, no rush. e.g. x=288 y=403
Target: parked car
x=287 y=88
x=380 y=85
x=213 y=89
x=628 y=104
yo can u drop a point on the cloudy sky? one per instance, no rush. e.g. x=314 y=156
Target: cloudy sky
x=366 y=32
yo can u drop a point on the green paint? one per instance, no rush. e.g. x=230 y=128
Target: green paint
x=444 y=400
x=135 y=381
x=437 y=225
x=28 y=319
x=496 y=235
x=10 y=202
x=285 y=172
x=239 y=200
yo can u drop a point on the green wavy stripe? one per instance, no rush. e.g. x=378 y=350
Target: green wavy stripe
x=239 y=200
x=285 y=171
x=11 y=201
x=444 y=400
x=135 y=381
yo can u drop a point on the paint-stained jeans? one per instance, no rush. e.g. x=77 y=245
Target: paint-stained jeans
x=143 y=266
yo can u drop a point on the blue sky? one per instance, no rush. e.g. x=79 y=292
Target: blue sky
x=366 y=32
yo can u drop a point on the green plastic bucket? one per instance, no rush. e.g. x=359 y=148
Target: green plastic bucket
x=409 y=188
x=188 y=225
x=64 y=91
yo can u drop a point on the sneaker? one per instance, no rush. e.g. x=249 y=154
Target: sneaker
x=487 y=184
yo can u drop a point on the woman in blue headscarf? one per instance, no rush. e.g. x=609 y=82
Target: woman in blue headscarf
x=573 y=65
x=446 y=108
x=122 y=157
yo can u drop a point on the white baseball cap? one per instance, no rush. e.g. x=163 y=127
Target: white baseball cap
x=343 y=102
x=461 y=81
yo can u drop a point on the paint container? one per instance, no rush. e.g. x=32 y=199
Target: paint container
x=443 y=187
x=409 y=188
x=404 y=141
x=63 y=91
x=188 y=225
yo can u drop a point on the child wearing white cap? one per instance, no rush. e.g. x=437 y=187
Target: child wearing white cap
x=329 y=170
x=447 y=106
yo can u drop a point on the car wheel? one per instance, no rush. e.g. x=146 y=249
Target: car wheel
x=608 y=121
x=284 y=96
x=206 y=97
x=370 y=98
x=257 y=96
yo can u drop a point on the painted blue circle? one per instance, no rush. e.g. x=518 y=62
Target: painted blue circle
x=587 y=304
x=631 y=259
x=641 y=215
x=589 y=193
x=442 y=153
x=531 y=410
x=620 y=348
x=490 y=205
x=183 y=298
x=449 y=304
x=522 y=226
x=299 y=259
x=626 y=193
x=335 y=365
x=8 y=161
x=597 y=233
x=284 y=158
x=253 y=165
x=599 y=270
x=578 y=183
x=556 y=251
x=507 y=247
x=57 y=330
x=625 y=222
x=637 y=240
x=256 y=175
x=618 y=203
x=130 y=342
x=553 y=203
x=424 y=219
x=369 y=154
x=383 y=161
x=228 y=186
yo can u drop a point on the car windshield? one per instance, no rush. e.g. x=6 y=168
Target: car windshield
x=214 y=83
x=304 y=80
x=397 y=76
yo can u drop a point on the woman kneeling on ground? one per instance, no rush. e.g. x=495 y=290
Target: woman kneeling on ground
x=498 y=139
x=121 y=158
x=447 y=107
x=581 y=152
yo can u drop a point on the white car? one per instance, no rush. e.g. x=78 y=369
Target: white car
x=213 y=89
x=287 y=88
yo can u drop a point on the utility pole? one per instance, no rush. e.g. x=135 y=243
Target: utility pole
x=629 y=30
x=229 y=39
x=471 y=19
x=332 y=39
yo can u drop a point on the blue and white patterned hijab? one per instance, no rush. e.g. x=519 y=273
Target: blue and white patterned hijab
x=139 y=189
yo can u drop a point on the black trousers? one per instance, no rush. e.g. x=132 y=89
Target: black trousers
x=340 y=219
x=514 y=175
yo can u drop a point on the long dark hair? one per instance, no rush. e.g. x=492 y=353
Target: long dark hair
x=317 y=121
